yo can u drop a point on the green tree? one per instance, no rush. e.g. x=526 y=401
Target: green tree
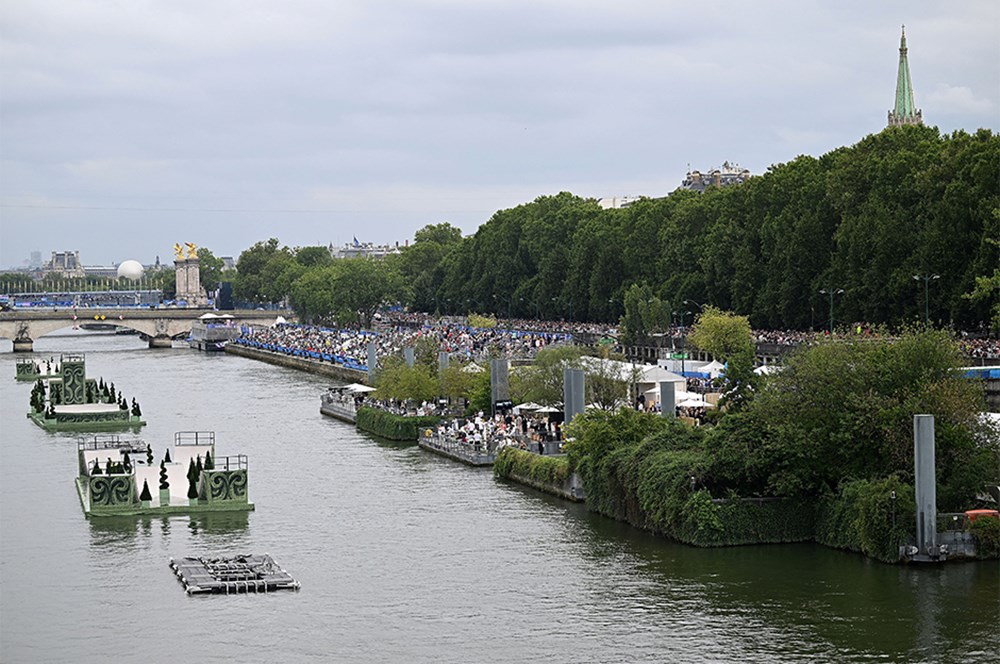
x=542 y=382
x=729 y=339
x=313 y=257
x=844 y=409
x=210 y=269
x=400 y=382
x=360 y=287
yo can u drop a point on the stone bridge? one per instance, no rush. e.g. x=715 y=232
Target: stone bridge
x=160 y=326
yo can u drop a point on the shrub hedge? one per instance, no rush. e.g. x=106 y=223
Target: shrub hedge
x=545 y=470
x=860 y=517
x=394 y=427
x=986 y=533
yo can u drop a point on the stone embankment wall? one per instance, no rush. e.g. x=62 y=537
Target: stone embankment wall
x=570 y=489
x=301 y=364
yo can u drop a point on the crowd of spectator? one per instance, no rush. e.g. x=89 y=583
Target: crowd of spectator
x=349 y=348
x=513 y=339
x=482 y=434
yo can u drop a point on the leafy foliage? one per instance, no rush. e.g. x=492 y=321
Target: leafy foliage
x=986 y=533
x=541 y=470
x=394 y=427
x=729 y=339
x=399 y=382
x=862 y=516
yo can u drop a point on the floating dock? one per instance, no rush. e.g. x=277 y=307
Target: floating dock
x=230 y=576
x=458 y=451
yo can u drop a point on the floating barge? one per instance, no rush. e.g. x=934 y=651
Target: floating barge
x=212 y=332
x=32 y=368
x=230 y=576
x=73 y=402
x=458 y=451
x=117 y=478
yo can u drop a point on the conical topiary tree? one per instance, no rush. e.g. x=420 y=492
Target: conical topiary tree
x=108 y=467
x=192 y=486
x=164 y=484
x=145 y=495
x=192 y=473
x=209 y=463
x=198 y=468
x=166 y=457
x=112 y=395
x=127 y=463
x=96 y=470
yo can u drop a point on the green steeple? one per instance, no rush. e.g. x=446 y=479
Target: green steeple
x=906 y=111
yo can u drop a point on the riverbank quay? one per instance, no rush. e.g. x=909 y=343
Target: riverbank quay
x=309 y=364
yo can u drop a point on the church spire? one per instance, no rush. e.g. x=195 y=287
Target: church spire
x=905 y=111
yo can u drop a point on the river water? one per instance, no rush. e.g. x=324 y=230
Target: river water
x=407 y=557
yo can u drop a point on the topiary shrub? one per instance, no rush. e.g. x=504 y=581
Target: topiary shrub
x=209 y=463
x=164 y=484
x=96 y=470
x=145 y=495
x=166 y=457
x=149 y=455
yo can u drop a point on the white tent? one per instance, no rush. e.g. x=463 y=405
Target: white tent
x=695 y=403
x=767 y=370
x=713 y=368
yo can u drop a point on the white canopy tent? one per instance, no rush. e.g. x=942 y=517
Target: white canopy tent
x=713 y=368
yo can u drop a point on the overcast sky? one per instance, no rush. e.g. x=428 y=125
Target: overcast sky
x=129 y=125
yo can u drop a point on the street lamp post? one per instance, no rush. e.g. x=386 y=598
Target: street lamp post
x=831 y=292
x=927 y=279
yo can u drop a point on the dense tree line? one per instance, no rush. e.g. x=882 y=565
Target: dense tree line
x=870 y=224
x=865 y=219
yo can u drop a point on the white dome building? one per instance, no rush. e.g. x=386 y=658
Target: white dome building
x=130 y=270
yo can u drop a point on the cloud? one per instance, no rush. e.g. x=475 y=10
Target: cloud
x=246 y=119
x=957 y=99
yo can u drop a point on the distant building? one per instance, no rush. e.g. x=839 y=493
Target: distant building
x=905 y=111
x=365 y=250
x=66 y=263
x=35 y=262
x=228 y=262
x=617 y=202
x=726 y=176
x=101 y=271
